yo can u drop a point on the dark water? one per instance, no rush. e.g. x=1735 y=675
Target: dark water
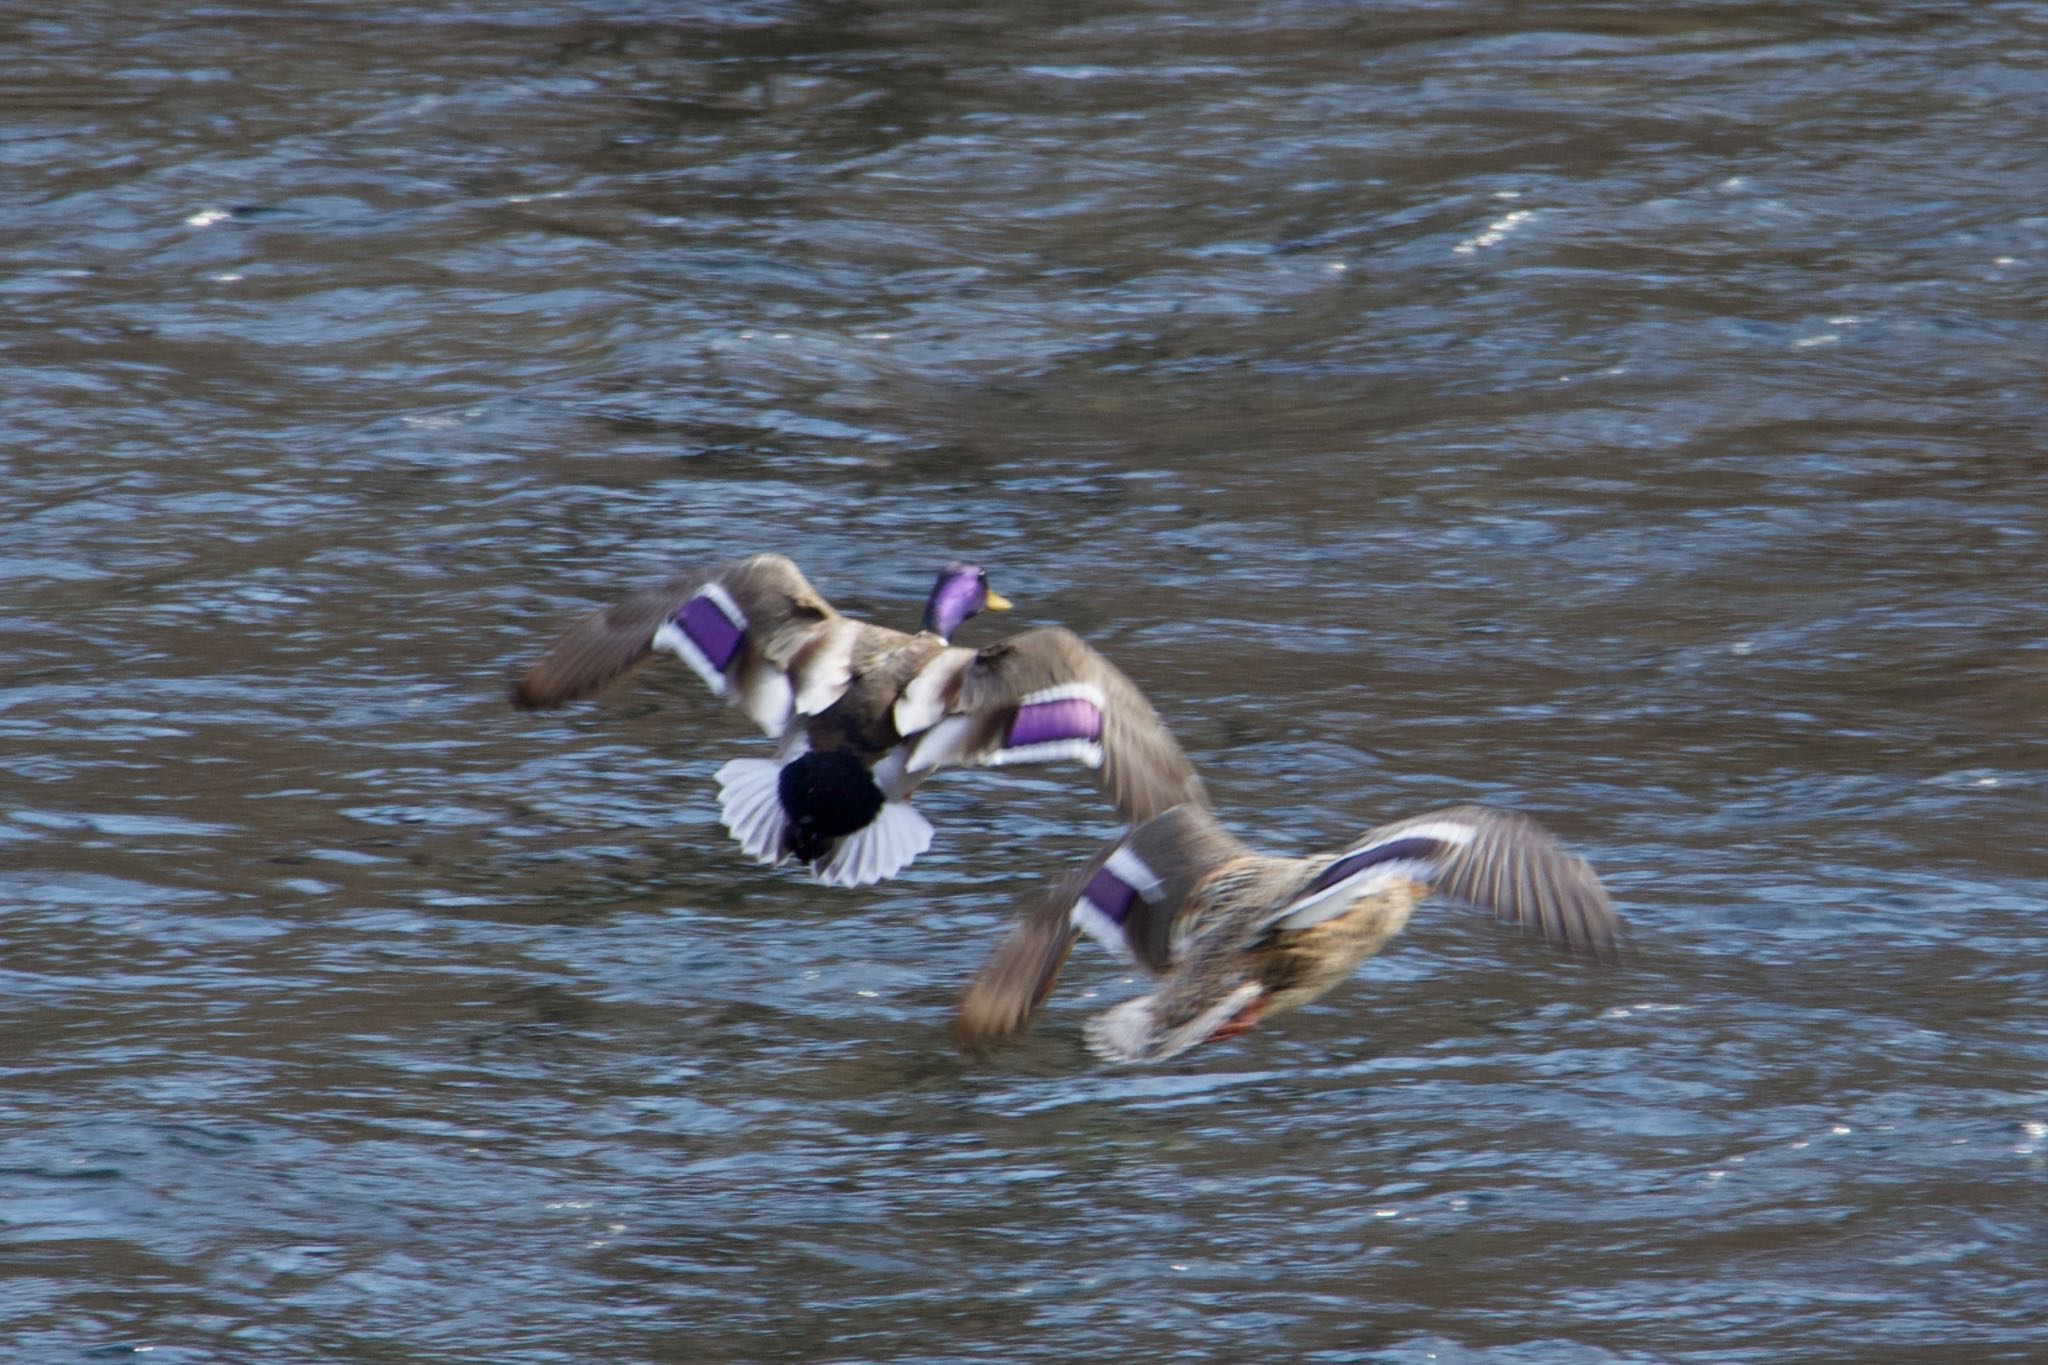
x=1632 y=414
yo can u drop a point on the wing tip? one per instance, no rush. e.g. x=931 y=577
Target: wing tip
x=529 y=694
x=1004 y=997
x=984 y=1019
x=1607 y=946
x=1589 y=932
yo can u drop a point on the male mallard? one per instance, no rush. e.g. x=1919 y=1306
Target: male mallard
x=878 y=710
x=1235 y=936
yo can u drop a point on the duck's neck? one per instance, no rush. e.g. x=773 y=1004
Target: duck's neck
x=952 y=602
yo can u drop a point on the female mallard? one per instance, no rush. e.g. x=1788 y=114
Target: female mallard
x=865 y=713
x=1235 y=936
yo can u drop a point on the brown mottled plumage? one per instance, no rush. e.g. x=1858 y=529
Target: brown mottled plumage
x=784 y=614
x=1234 y=935
x=866 y=713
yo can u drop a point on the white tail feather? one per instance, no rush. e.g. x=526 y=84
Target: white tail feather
x=879 y=851
x=750 y=801
x=1131 y=1032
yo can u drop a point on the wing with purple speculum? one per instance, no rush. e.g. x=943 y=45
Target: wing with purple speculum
x=746 y=628
x=1044 y=696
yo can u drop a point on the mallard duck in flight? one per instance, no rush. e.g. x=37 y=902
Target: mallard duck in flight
x=1234 y=936
x=866 y=713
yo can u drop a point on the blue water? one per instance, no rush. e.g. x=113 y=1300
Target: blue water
x=1629 y=416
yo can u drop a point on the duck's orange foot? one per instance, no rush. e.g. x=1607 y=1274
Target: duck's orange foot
x=1242 y=1021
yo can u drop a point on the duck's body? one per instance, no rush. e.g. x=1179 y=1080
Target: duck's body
x=1234 y=936
x=866 y=713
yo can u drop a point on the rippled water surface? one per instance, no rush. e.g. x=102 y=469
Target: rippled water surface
x=1631 y=414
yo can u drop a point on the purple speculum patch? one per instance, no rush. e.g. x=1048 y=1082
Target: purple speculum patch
x=1394 y=850
x=1110 y=894
x=711 y=631
x=1046 y=721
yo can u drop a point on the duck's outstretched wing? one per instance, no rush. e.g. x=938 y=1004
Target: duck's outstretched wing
x=1130 y=895
x=754 y=630
x=1039 y=697
x=1017 y=977
x=1493 y=860
x=1499 y=862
